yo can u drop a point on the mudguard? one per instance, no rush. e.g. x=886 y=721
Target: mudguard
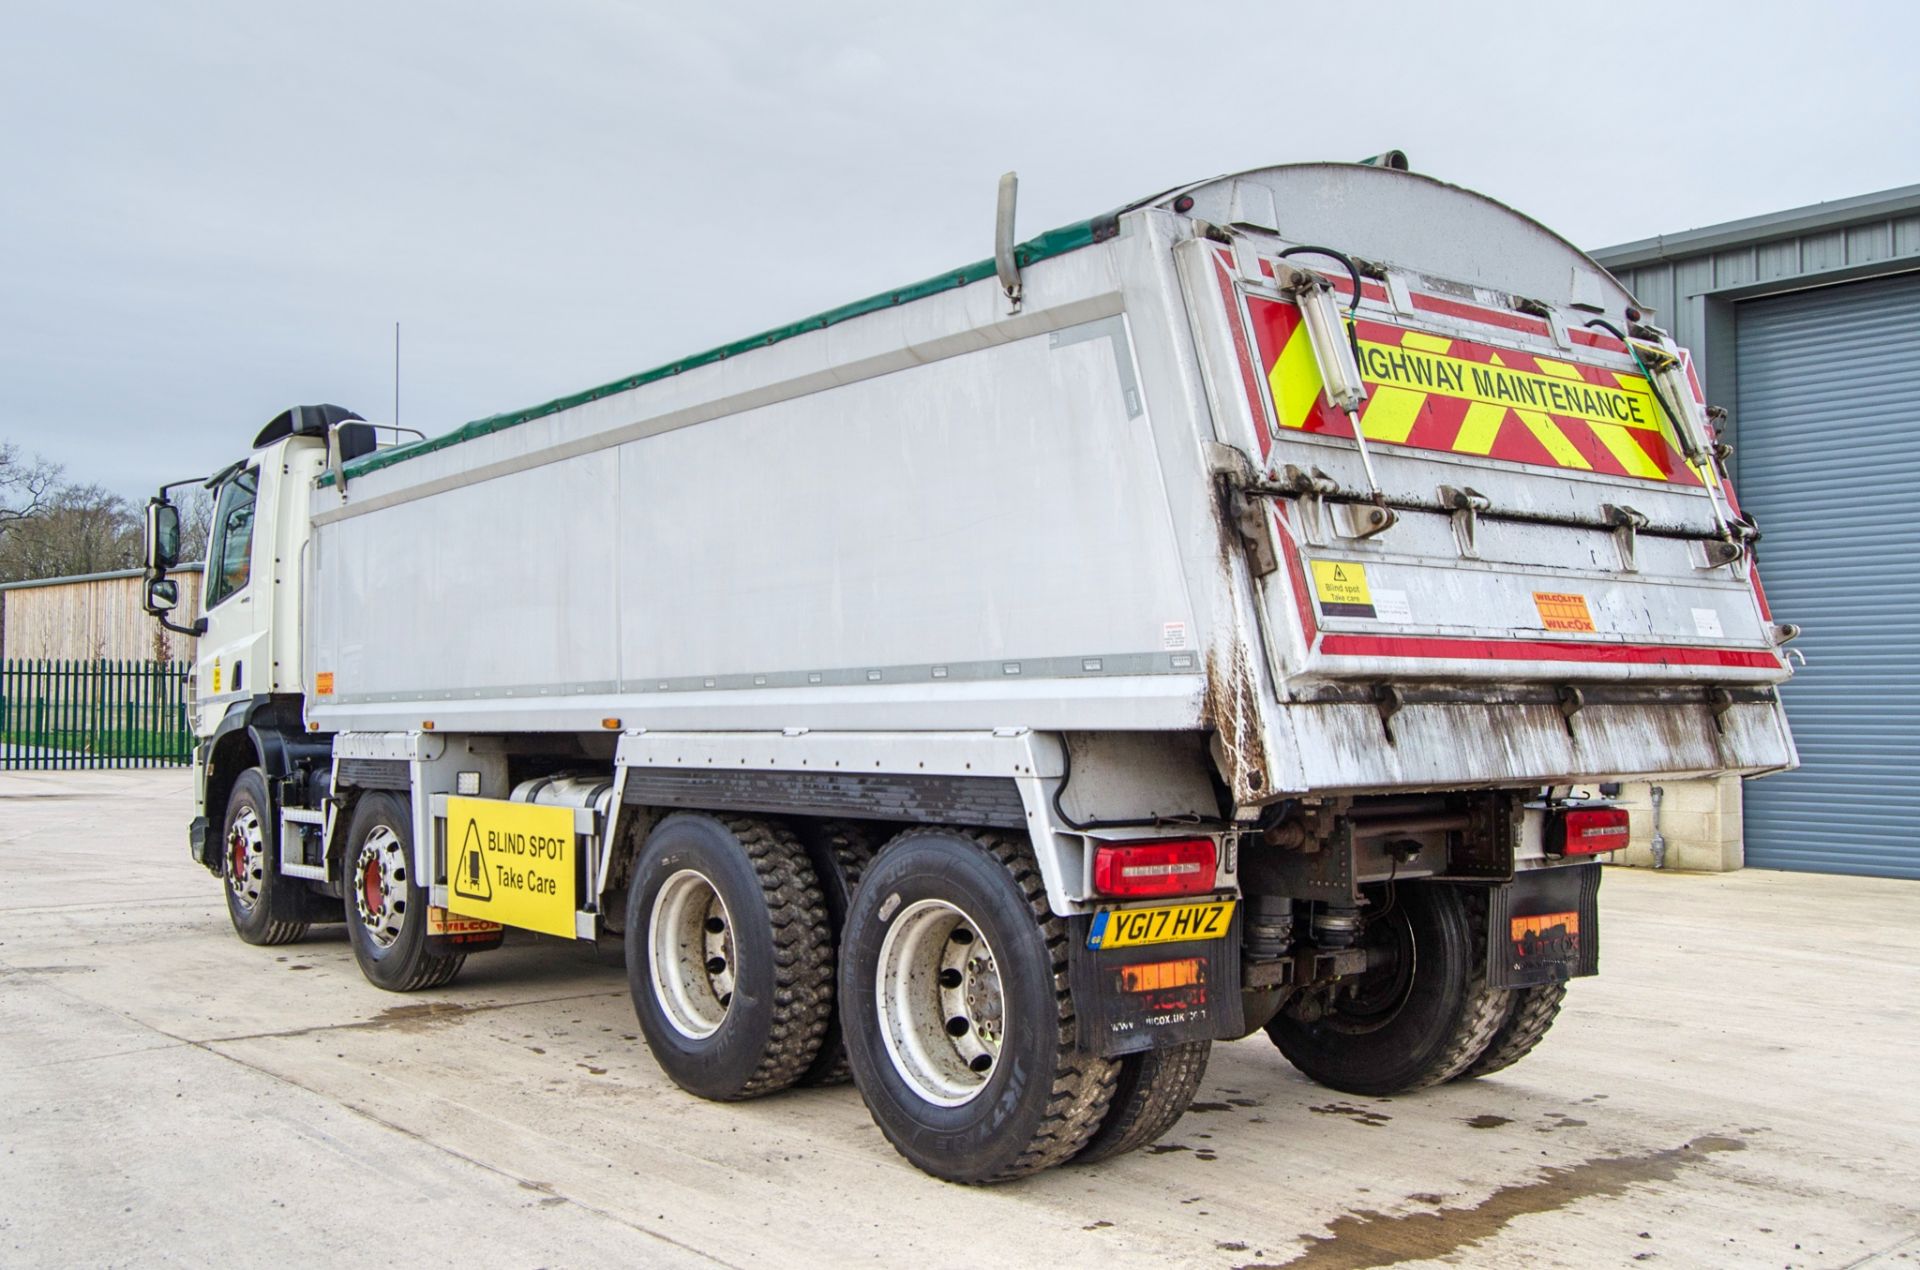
x=1544 y=927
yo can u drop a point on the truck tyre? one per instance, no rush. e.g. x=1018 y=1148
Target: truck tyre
x=960 y=1025
x=1419 y=1018
x=1532 y=1012
x=840 y=851
x=386 y=905
x=1152 y=1092
x=266 y=908
x=728 y=954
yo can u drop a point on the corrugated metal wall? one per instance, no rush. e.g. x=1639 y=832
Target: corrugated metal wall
x=1668 y=286
x=1828 y=405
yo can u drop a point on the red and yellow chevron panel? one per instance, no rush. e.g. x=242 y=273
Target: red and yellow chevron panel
x=1435 y=392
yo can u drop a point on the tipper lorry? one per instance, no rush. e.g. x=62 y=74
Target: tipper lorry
x=1223 y=615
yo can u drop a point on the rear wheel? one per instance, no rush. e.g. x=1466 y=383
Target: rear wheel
x=729 y=959
x=960 y=1026
x=1152 y=1092
x=386 y=904
x=1422 y=1012
x=266 y=907
x=1532 y=1012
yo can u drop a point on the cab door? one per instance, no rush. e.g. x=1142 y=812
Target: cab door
x=230 y=665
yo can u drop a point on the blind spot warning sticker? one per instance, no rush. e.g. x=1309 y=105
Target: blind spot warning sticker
x=323 y=684
x=1342 y=588
x=1563 y=610
x=511 y=863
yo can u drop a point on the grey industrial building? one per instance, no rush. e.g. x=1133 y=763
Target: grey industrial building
x=1805 y=324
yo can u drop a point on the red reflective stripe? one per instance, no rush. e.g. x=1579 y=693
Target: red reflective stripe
x=1295 y=564
x=1256 y=404
x=1760 y=593
x=1594 y=339
x=1341 y=282
x=1475 y=313
x=1540 y=650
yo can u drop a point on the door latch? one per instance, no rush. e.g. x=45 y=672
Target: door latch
x=1466 y=503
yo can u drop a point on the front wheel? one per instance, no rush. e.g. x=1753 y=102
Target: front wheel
x=1420 y=1014
x=960 y=1026
x=266 y=907
x=386 y=903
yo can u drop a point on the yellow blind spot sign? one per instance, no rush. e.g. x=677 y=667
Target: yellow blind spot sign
x=512 y=863
x=1342 y=588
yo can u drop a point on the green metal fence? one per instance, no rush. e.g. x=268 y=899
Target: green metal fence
x=66 y=714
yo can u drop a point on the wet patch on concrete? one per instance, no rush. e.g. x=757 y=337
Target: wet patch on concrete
x=407 y=1017
x=417 y=1017
x=1487 y=1122
x=1365 y=1238
x=1359 y=1115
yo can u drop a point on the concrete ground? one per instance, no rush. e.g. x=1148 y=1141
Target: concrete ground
x=1741 y=1087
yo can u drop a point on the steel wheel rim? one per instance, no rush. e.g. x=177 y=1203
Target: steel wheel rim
x=379 y=882
x=1373 y=1000
x=941 y=1003
x=691 y=961
x=246 y=858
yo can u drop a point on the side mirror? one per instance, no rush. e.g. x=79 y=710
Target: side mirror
x=163 y=595
x=162 y=541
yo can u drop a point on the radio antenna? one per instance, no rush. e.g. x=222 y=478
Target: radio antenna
x=396 y=373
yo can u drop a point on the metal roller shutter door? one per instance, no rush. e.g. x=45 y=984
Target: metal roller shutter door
x=1828 y=419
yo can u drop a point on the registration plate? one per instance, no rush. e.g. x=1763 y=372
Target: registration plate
x=1162 y=924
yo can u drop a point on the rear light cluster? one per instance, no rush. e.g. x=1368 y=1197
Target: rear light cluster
x=1149 y=869
x=1587 y=831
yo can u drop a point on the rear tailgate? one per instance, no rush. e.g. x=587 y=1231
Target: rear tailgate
x=1549 y=531
x=1559 y=446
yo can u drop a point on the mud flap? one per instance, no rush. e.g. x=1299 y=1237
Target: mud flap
x=1154 y=995
x=197 y=834
x=1544 y=927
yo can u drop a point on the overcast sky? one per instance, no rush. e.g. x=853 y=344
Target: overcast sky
x=209 y=212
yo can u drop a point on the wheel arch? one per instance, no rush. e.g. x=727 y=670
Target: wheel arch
x=263 y=732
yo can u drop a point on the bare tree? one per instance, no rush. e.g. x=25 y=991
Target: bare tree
x=26 y=485
x=74 y=529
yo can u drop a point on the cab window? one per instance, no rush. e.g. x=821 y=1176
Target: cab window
x=230 y=553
